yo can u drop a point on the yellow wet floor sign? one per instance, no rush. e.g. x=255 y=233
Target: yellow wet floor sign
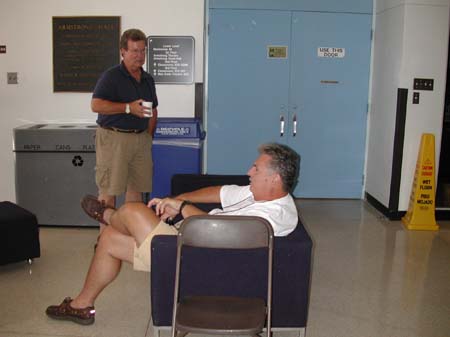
x=420 y=214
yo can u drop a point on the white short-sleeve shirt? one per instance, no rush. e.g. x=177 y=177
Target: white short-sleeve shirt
x=238 y=200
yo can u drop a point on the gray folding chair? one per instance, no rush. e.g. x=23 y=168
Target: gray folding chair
x=217 y=314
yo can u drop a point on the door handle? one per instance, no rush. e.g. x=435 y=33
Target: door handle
x=294 y=125
x=281 y=125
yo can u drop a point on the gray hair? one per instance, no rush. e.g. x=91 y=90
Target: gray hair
x=133 y=35
x=285 y=161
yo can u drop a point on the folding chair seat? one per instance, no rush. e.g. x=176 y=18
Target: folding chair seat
x=243 y=311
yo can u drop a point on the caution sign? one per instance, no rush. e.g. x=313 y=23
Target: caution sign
x=420 y=214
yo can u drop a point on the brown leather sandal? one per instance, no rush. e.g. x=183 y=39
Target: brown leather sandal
x=64 y=311
x=95 y=208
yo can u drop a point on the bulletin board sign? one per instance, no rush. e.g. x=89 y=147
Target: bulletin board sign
x=83 y=48
x=170 y=59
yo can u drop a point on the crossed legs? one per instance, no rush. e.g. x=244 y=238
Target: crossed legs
x=110 y=200
x=129 y=225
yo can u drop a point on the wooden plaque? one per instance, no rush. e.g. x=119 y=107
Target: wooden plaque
x=83 y=48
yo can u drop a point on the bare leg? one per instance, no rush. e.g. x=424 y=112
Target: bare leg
x=132 y=196
x=113 y=248
x=130 y=224
x=134 y=219
x=109 y=200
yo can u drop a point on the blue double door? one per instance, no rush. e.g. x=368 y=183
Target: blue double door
x=292 y=77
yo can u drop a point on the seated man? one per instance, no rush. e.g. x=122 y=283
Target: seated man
x=131 y=228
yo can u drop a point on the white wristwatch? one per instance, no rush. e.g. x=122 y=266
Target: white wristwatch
x=127 y=108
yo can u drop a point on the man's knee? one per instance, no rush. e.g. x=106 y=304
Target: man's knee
x=137 y=214
x=132 y=211
x=130 y=208
x=106 y=238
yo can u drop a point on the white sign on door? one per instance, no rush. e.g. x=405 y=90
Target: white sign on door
x=330 y=52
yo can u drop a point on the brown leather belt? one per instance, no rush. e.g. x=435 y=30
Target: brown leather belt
x=112 y=128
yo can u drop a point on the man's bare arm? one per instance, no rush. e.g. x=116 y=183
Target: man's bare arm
x=209 y=194
x=105 y=107
x=169 y=207
x=152 y=122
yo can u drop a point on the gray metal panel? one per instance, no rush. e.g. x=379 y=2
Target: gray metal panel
x=55 y=168
x=55 y=137
x=51 y=186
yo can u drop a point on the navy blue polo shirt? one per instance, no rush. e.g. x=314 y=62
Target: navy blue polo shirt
x=117 y=85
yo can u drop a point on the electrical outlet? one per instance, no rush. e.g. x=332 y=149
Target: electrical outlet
x=12 y=78
x=423 y=84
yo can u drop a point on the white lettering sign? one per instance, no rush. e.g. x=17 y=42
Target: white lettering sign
x=331 y=52
x=173 y=131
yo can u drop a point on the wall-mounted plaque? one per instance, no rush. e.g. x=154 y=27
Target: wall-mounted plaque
x=83 y=48
x=170 y=59
x=277 y=52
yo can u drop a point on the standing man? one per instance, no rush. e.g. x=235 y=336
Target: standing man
x=126 y=124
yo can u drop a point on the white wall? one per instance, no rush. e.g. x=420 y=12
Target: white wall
x=387 y=58
x=26 y=30
x=410 y=41
x=429 y=50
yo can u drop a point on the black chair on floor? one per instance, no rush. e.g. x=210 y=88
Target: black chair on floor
x=206 y=310
x=19 y=234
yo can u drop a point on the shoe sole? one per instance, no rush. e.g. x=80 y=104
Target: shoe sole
x=74 y=319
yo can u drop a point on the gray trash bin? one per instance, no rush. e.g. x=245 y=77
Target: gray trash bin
x=54 y=168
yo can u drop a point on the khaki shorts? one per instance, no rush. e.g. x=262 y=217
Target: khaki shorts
x=142 y=257
x=123 y=162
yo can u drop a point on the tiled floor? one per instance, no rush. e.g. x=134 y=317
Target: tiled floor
x=371 y=278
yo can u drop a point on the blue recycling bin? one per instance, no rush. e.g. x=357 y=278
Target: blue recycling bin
x=177 y=148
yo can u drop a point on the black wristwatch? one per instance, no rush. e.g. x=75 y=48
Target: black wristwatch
x=184 y=204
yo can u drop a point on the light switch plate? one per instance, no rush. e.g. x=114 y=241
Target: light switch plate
x=12 y=78
x=423 y=84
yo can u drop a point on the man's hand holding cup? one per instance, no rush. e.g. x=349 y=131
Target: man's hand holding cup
x=148 y=108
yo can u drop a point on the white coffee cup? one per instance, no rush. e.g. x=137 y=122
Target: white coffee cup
x=147 y=108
